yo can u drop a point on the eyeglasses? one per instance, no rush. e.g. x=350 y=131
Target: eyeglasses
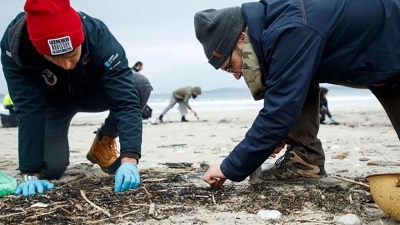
x=229 y=65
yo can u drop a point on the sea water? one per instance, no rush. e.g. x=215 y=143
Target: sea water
x=235 y=99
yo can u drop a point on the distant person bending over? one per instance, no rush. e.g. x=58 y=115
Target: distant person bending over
x=182 y=96
x=323 y=107
x=8 y=104
x=137 y=67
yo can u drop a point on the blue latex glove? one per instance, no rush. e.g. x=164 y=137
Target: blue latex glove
x=332 y=119
x=127 y=177
x=32 y=187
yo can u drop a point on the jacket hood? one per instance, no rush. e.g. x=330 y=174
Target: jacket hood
x=196 y=90
x=17 y=36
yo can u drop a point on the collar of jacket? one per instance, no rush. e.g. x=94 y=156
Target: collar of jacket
x=85 y=46
x=254 y=15
x=251 y=70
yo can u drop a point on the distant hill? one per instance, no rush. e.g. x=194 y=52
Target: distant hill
x=225 y=90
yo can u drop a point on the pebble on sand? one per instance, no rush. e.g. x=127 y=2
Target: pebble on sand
x=349 y=219
x=269 y=214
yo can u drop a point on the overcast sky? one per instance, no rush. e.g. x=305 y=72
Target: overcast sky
x=158 y=33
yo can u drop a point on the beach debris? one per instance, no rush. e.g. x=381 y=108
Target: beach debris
x=342 y=171
x=78 y=206
x=351 y=181
x=364 y=159
x=204 y=165
x=177 y=165
x=224 y=154
x=223 y=121
x=269 y=214
x=340 y=156
x=357 y=149
x=177 y=196
x=330 y=183
x=180 y=152
x=392 y=146
x=383 y=163
x=94 y=205
x=39 y=205
x=349 y=219
x=334 y=147
x=152 y=210
x=235 y=140
x=173 y=146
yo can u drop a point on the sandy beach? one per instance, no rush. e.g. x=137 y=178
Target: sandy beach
x=365 y=133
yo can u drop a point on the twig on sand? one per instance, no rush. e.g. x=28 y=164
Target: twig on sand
x=152 y=210
x=97 y=221
x=147 y=192
x=129 y=213
x=315 y=221
x=94 y=205
x=201 y=196
x=73 y=182
x=351 y=181
x=12 y=214
x=372 y=205
x=138 y=205
x=153 y=180
x=47 y=213
x=213 y=198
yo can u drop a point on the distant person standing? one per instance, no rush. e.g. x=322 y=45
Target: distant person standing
x=323 y=107
x=147 y=111
x=8 y=104
x=182 y=97
x=138 y=66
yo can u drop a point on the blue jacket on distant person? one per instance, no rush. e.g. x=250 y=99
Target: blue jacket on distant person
x=303 y=43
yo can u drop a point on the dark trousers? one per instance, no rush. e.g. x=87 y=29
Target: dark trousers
x=58 y=118
x=10 y=109
x=302 y=138
x=389 y=97
x=322 y=114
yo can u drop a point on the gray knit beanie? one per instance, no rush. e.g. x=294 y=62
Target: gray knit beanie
x=218 y=31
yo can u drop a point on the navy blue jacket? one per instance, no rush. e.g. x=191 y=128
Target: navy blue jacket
x=103 y=65
x=302 y=43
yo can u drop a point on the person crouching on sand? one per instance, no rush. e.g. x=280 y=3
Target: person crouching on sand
x=58 y=62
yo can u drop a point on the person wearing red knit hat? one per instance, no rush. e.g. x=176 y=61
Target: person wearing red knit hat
x=58 y=62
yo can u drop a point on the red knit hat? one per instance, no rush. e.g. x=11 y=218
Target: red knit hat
x=54 y=27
